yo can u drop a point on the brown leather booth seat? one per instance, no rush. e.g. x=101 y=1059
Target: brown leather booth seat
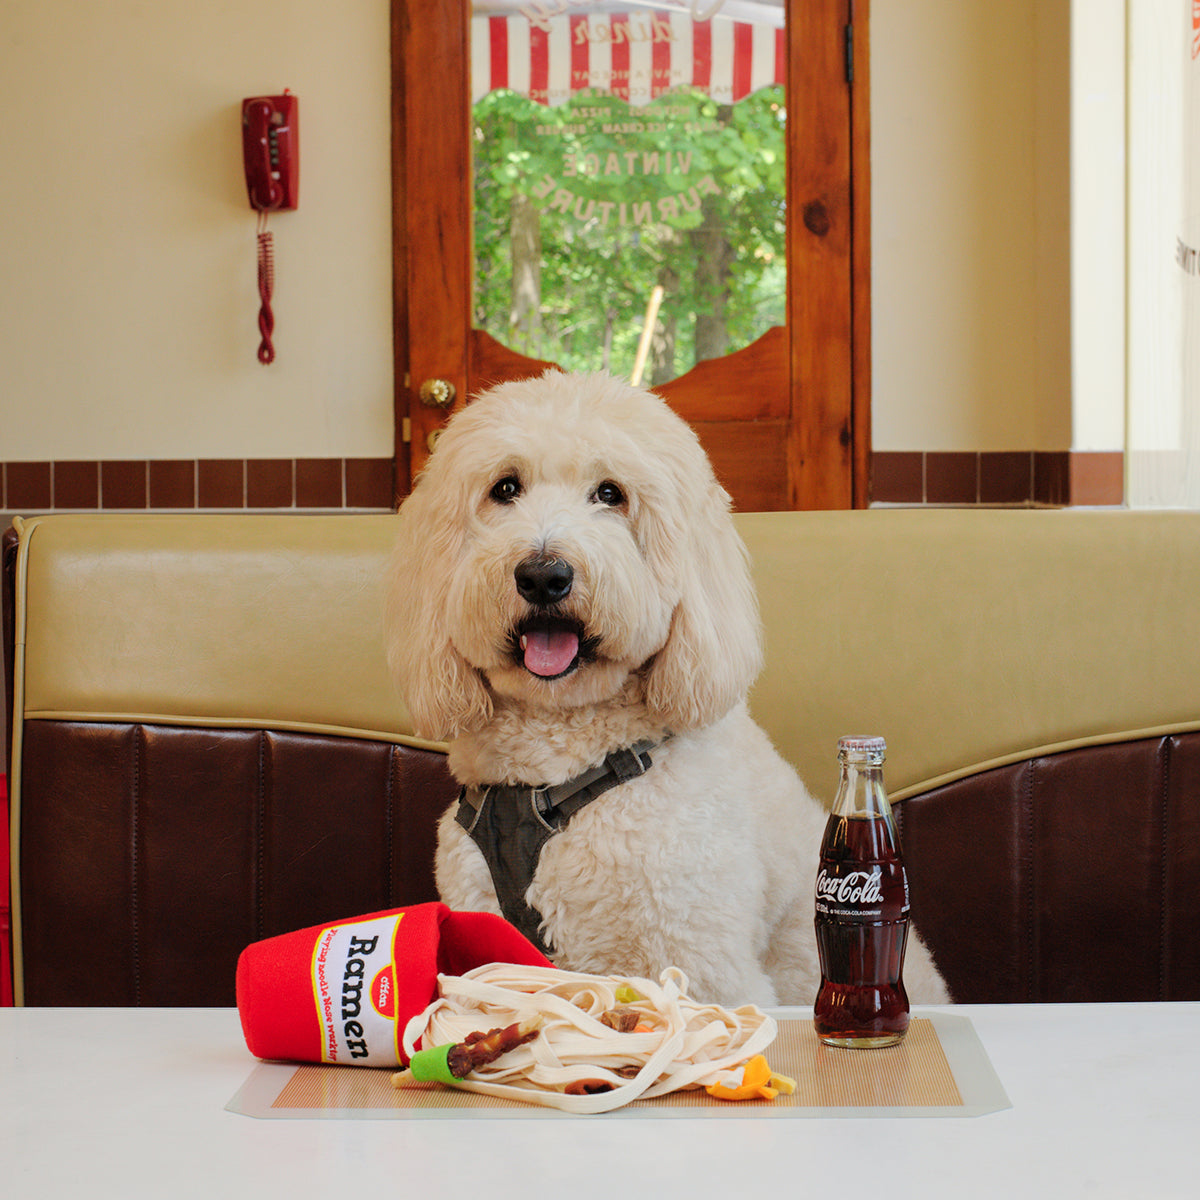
x=151 y=855
x=1067 y=877
x=206 y=748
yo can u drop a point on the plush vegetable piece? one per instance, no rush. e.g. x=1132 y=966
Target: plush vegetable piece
x=758 y=1082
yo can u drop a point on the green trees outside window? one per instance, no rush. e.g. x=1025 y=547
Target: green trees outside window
x=595 y=220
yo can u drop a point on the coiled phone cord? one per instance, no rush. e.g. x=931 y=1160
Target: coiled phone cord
x=266 y=285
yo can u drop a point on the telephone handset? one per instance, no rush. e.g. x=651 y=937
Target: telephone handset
x=269 y=148
x=270 y=152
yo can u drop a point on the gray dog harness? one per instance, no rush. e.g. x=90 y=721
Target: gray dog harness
x=510 y=825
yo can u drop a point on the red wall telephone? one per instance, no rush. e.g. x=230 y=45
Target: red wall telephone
x=270 y=149
x=271 y=153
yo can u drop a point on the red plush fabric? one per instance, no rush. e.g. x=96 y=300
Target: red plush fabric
x=343 y=992
x=6 y=975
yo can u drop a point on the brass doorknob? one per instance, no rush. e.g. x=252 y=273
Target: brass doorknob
x=436 y=393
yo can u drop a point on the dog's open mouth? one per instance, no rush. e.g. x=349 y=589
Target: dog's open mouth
x=550 y=647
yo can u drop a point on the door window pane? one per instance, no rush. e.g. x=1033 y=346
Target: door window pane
x=629 y=179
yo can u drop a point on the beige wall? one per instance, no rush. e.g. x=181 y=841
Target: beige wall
x=127 y=259
x=970 y=174
x=1099 y=225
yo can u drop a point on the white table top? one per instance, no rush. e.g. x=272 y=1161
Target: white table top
x=130 y=1103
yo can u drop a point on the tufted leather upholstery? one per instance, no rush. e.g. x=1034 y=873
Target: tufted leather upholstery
x=1066 y=877
x=1041 y=881
x=152 y=854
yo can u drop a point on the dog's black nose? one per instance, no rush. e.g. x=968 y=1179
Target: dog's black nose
x=544 y=581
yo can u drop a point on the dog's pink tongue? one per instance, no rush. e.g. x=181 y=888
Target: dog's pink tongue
x=549 y=652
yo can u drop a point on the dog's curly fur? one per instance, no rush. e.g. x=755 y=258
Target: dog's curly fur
x=707 y=861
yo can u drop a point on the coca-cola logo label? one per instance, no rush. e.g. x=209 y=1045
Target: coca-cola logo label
x=860 y=889
x=862 y=892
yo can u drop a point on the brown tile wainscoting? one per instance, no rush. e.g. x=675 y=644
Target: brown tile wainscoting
x=1054 y=478
x=1026 y=477
x=254 y=483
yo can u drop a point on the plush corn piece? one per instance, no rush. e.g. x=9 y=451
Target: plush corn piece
x=758 y=1082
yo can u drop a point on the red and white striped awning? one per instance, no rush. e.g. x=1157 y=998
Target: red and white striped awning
x=636 y=55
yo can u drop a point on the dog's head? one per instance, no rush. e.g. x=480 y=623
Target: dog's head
x=567 y=535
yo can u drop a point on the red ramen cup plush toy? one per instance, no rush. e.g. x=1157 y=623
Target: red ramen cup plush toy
x=343 y=992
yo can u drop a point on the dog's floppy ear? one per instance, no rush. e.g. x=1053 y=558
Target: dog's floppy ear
x=714 y=651
x=443 y=692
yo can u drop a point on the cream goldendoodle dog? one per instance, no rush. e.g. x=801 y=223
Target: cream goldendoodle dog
x=572 y=610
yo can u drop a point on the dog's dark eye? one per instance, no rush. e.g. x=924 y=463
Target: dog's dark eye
x=609 y=493
x=506 y=490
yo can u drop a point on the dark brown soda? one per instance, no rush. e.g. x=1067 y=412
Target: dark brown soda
x=861 y=1000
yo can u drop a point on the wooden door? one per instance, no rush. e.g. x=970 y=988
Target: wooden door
x=786 y=420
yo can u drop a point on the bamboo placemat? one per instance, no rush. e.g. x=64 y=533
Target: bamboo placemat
x=940 y=1069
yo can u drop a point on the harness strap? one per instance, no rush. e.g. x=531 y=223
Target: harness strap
x=510 y=825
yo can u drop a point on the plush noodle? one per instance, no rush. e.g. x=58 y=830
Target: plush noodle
x=690 y=1045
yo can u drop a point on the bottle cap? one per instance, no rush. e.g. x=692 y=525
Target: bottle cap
x=876 y=747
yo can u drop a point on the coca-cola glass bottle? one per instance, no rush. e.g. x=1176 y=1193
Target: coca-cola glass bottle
x=861 y=908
